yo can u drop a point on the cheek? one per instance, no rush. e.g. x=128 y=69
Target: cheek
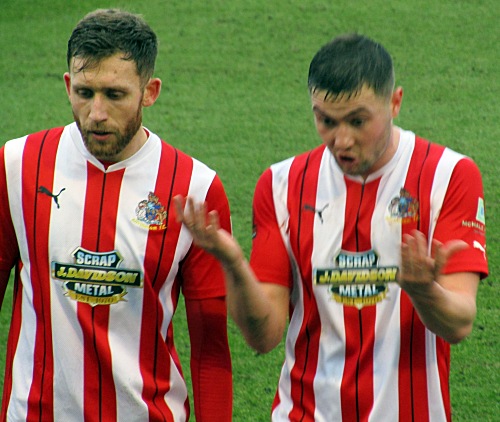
x=323 y=132
x=377 y=131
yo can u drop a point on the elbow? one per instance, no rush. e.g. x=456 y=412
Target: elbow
x=459 y=335
x=261 y=334
x=263 y=340
x=262 y=346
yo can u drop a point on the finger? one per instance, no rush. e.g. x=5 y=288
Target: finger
x=179 y=208
x=454 y=246
x=416 y=264
x=421 y=245
x=213 y=220
x=443 y=253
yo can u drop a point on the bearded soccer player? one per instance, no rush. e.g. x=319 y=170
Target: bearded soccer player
x=86 y=219
x=373 y=244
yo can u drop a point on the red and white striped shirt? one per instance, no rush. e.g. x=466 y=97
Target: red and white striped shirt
x=355 y=348
x=100 y=262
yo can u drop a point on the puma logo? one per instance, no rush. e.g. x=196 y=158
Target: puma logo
x=44 y=190
x=316 y=211
x=477 y=245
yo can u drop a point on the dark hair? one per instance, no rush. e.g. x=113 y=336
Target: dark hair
x=105 y=32
x=349 y=62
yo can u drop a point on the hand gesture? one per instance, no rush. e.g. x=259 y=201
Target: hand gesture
x=419 y=270
x=206 y=231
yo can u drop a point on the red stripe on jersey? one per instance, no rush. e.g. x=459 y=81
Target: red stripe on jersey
x=413 y=394
x=174 y=177
x=16 y=317
x=36 y=214
x=357 y=380
x=98 y=235
x=15 y=329
x=443 y=353
x=303 y=181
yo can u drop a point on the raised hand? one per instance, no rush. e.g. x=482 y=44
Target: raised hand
x=206 y=231
x=418 y=269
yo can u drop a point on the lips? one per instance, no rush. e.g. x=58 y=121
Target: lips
x=100 y=135
x=345 y=158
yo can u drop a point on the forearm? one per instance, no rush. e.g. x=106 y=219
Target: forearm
x=448 y=313
x=259 y=309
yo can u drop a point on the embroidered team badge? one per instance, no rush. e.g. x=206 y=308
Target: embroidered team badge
x=356 y=280
x=151 y=214
x=403 y=208
x=480 y=211
x=96 y=278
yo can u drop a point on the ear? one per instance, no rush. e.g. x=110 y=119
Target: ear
x=151 y=92
x=67 y=82
x=396 y=101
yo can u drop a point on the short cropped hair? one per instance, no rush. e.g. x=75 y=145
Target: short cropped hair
x=347 y=63
x=105 y=32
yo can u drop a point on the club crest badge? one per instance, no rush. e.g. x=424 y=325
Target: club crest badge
x=151 y=213
x=403 y=208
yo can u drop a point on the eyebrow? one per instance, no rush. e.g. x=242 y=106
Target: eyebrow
x=106 y=88
x=358 y=110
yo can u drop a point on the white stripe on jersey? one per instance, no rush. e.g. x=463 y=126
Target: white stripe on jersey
x=22 y=364
x=444 y=170
x=327 y=238
x=280 y=185
x=386 y=237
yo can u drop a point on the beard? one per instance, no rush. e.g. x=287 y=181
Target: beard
x=110 y=149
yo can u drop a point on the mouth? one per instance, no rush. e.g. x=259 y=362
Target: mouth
x=100 y=135
x=345 y=159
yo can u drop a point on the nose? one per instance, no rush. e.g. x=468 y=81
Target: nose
x=342 y=137
x=98 y=111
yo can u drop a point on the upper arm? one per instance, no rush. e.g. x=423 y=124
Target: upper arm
x=201 y=271
x=9 y=251
x=207 y=320
x=269 y=257
x=464 y=283
x=462 y=217
x=211 y=373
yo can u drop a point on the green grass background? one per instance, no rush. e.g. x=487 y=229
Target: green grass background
x=234 y=95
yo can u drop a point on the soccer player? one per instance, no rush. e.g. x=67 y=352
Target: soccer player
x=373 y=244
x=86 y=219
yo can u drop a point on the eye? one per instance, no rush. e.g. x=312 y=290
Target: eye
x=326 y=121
x=329 y=122
x=114 y=95
x=84 y=93
x=357 y=122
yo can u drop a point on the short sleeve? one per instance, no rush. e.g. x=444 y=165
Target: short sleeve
x=202 y=274
x=9 y=251
x=463 y=217
x=269 y=258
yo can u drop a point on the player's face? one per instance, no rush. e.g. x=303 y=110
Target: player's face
x=358 y=130
x=107 y=102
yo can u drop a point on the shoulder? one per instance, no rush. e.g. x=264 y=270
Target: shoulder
x=296 y=164
x=16 y=148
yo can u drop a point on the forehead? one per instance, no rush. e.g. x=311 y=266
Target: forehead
x=365 y=98
x=107 y=71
